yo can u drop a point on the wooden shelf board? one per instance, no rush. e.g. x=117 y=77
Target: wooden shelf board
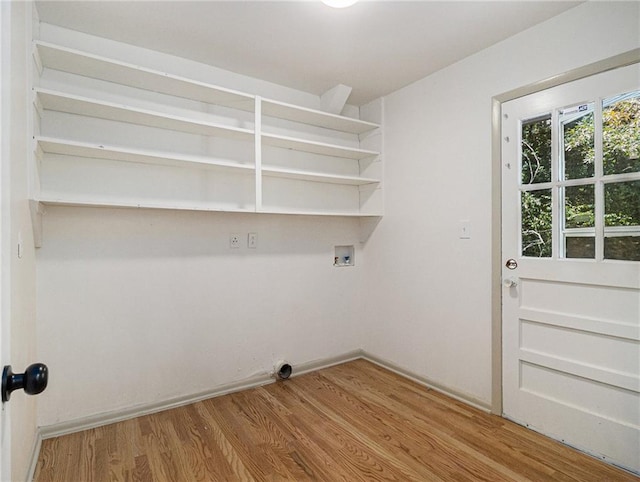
x=94 y=66
x=316 y=147
x=99 y=151
x=316 y=118
x=316 y=176
x=74 y=104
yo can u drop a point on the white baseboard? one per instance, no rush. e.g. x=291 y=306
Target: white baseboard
x=93 y=421
x=460 y=396
x=326 y=362
x=35 y=454
x=106 y=418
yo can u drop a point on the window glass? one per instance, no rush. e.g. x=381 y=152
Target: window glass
x=536 y=150
x=580 y=247
x=622 y=247
x=622 y=204
x=578 y=146
x=536 y=223
x=622 y=218
x=579 y=206
x=621 y=134
x=592 y=177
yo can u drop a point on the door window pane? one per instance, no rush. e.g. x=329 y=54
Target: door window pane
x=536 y=223
x=579 y=206
x=536 y=150
x=622 y=247
x=622 y=204
x=580 y=247
x=621 y=133
x=578 y=146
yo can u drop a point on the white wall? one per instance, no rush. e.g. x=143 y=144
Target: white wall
x=137 y=307
x=18 y=272
x=428 y=306
x=140 y=306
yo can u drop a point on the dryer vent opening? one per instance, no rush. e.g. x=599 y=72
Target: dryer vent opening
x=283 y=370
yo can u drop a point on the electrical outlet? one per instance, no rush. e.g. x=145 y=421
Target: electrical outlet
x=234 y=241
x=252 y=240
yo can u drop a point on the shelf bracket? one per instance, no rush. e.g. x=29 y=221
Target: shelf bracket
x=334 y=100
x=367 y=226
x=37 y=210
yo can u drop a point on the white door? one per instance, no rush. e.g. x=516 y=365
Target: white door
x=571 y=264
x=5 y=447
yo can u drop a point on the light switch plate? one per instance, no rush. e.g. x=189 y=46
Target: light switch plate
x=252 y=240
x=464 y=229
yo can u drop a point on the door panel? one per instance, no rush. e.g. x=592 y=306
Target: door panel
x=571 y=307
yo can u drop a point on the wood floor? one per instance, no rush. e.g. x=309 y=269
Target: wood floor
x=350 y=422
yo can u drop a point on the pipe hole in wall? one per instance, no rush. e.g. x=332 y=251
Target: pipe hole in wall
x=283 y=370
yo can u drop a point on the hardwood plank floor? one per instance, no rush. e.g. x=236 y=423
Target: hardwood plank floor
x=350 y=422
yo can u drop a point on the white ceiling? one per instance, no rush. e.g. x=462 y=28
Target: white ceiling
x=375 y=47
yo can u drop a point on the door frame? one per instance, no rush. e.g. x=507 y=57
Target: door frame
x=622 y=60
x=5 y=44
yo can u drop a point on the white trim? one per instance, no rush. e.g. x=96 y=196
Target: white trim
x=35 y=455
x=86 y=423
x=106 y=418
x=617 y=61
x=114 y=416
x=5 y=226
x=94 y=421
x=316 y=365
x=426 y=382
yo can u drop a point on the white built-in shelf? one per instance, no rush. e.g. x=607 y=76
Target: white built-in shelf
x=315 y=212
x=314 y=147
x=93 y=66
x=51 y=200
x=281 y=110
x=69 y=201
x=74 y=61
x=65 y=147
x=75 y=104
x=240 y=176
x=317 y=176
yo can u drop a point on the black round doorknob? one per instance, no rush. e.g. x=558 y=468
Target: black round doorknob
x=32 y=381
